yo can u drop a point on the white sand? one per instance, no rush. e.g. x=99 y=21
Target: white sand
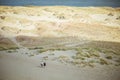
x=15 y=66
x=102 y=18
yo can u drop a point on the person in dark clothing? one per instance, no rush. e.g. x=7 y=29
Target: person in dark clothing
x=44 y=64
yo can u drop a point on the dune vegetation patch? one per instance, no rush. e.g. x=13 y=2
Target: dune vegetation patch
x=93 y=56
x=83 y=56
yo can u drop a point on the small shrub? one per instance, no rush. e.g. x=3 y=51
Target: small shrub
x=62 y=56
x=99 y=49
x=102 y=61
x=110 y=14
x=14 y=48
x=118 y=18
x=109 y=51
x=61 y=16
x=83 y=54
x=78 y=57
x=31 y=55
x=10 y=51
x=26 y=53
x=118 y=60
x=91 y=65
x=1 y=48
x=92 y=61
x=42 y=50
x=82 y=58
x=38 y=48
x=106 y=19
x=95 y=54
x=117 y=64
x=15 y=12
x=51 y=54
x=2 y=17
x=59 y=49
x=117 y=53
x=46 y=9
x=87 y=55
x=109 y=57
x=75 y=62
x=78 y=49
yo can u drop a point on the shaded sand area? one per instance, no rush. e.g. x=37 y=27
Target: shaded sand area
x=20 y=67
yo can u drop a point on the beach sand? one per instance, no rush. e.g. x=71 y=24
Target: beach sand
x=15 y=66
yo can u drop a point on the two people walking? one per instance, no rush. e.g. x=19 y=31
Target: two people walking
x=43 y=64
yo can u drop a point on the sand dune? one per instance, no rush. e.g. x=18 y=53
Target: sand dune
x=90 y=23
x=78 y=43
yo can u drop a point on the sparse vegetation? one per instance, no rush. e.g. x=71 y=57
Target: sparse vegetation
x=118 y=18
x=76 y=62
x=78 y=57
x=60 y=49
x=52 y=54
x=46 y=9
x=26 y=53
x=82 y=63
x=109 y=57
x=110 y=14
x=103 y=61
x=31 y=55
x=42 y=50
x=93 y=55
x=1 y=49
x=92 y=61
x=106 y=19
x=10 y=51
x=52 y=49
x=15 y=12
x=87 y=52
x=36 y=48
x=10 y=48
x=118 y=60
x=45 y=57
x=61 y=17
x=63 y=57
x=14 y=48
x=2 y=17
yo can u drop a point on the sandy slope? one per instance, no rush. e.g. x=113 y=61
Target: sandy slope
x=90 y=23
x=21 y=67
x=56 y=26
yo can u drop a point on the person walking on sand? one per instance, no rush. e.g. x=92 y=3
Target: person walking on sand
x=44 y=64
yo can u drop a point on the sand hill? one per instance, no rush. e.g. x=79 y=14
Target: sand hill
x=36 y=24
x=77 y=43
